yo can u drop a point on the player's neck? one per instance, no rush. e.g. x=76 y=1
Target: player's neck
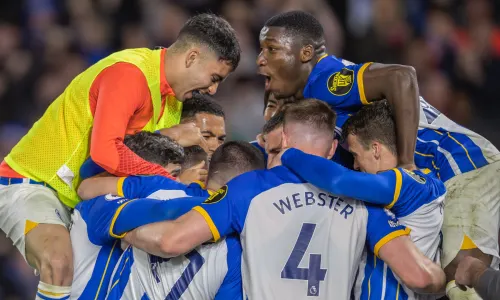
x=213 y=185
x=388 y=162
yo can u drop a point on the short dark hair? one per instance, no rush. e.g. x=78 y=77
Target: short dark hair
x=374 y=122
x=214 y=32
x=312 y=112
x=300 y=24
x=193 y=155
x=234 y=158
x=155 y=148
x=273 y=123
x=201 y=103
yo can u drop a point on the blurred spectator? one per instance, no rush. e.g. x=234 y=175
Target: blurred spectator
x=453 y=44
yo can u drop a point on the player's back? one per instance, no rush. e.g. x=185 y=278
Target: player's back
x=300 y=241
x=448 y=149
x=211 y=271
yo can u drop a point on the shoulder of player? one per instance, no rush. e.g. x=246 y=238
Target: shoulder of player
x=417 y=184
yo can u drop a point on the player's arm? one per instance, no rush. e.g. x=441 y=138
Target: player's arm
x=391 y=242
x=382 y=189
x=110 y=217
x=217 y=216
x=414 y=269
x=122 y=91
x=171 y=238
x=398 y=84
x=128 y=187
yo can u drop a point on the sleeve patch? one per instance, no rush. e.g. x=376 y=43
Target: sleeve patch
x=416 y=177
x=217 y=196
x=340 y=83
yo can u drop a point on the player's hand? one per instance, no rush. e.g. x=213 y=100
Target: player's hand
x=468 y=272
x=186 y=135
x=195 y=173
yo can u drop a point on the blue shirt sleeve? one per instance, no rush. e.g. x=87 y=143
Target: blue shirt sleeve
x=225 y=210
x=382 y=188
x=109 y=217
x=382 y=227
x=143 y=186
x=89 y=168
x=339 y=83
x=231 y=288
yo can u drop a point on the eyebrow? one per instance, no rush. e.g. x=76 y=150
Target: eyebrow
x=272 y=101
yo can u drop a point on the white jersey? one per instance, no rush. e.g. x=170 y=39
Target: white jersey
x=298 y=241
x=211 y=271
x=93 y=260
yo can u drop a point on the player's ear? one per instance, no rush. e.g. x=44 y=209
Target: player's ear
x=191 y=57
x=306 y=53
x=376 y=149
x=284 y=140
x=335 y=144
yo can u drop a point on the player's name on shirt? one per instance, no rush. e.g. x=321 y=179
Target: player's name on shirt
x=301 y=200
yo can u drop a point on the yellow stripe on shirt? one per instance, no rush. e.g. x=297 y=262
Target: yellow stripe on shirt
x=322 y=56
x=117 y=213
x=210 y=222
x=361 y=85
x=389 y=238
x=397 y=188
x=119 y=186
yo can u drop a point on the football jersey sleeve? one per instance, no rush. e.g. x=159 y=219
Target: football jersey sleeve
x=339 y=83
x=382 y=227
x=144 y=186
x=225 y=210
x=382 y=188
x=231 y=288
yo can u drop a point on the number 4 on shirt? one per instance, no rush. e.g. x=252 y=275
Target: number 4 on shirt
x=313 y=274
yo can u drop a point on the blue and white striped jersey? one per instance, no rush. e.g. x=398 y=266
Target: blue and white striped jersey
x=97 y=254
x=444 y=147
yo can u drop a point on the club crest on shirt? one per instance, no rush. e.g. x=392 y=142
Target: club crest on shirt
x=416 y=177
x=340 y=83
x=217 y=196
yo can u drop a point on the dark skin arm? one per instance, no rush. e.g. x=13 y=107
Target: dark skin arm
x=398 y=84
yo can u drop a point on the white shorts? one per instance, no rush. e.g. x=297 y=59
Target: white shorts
x=24 y=205
x=472 y=207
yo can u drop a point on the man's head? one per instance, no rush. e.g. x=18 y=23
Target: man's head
x=309 y=125
x=207 y=115
x=272 y=134
x=158 y=149
x=232 y=159
x=193 y=156
x=291 y=43
x=205 y=52
x=273 y=105
x=371 y=137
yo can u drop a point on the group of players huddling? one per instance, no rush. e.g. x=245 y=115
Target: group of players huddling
x=356 y=188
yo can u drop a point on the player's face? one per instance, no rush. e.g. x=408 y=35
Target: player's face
x=213 y=129
x=364 y=159
x=204 y=74
x=273 y=145
x=173 y=169
x=279 y=61
x=272 y=107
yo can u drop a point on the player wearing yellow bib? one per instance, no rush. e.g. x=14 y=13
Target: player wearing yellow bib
x=126 y=92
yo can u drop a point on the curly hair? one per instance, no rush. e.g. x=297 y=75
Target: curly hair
x=155 y=148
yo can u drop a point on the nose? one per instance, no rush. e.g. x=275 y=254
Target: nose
x=261 y=60
x=213 y=88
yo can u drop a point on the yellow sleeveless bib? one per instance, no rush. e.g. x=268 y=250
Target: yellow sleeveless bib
x=58 y=143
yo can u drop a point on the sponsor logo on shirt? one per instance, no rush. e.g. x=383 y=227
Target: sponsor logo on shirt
x=340 y=83
x=217 y=196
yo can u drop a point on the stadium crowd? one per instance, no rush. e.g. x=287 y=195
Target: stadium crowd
x=454 y=47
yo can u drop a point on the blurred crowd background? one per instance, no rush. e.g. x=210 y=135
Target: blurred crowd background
x=453 y=44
